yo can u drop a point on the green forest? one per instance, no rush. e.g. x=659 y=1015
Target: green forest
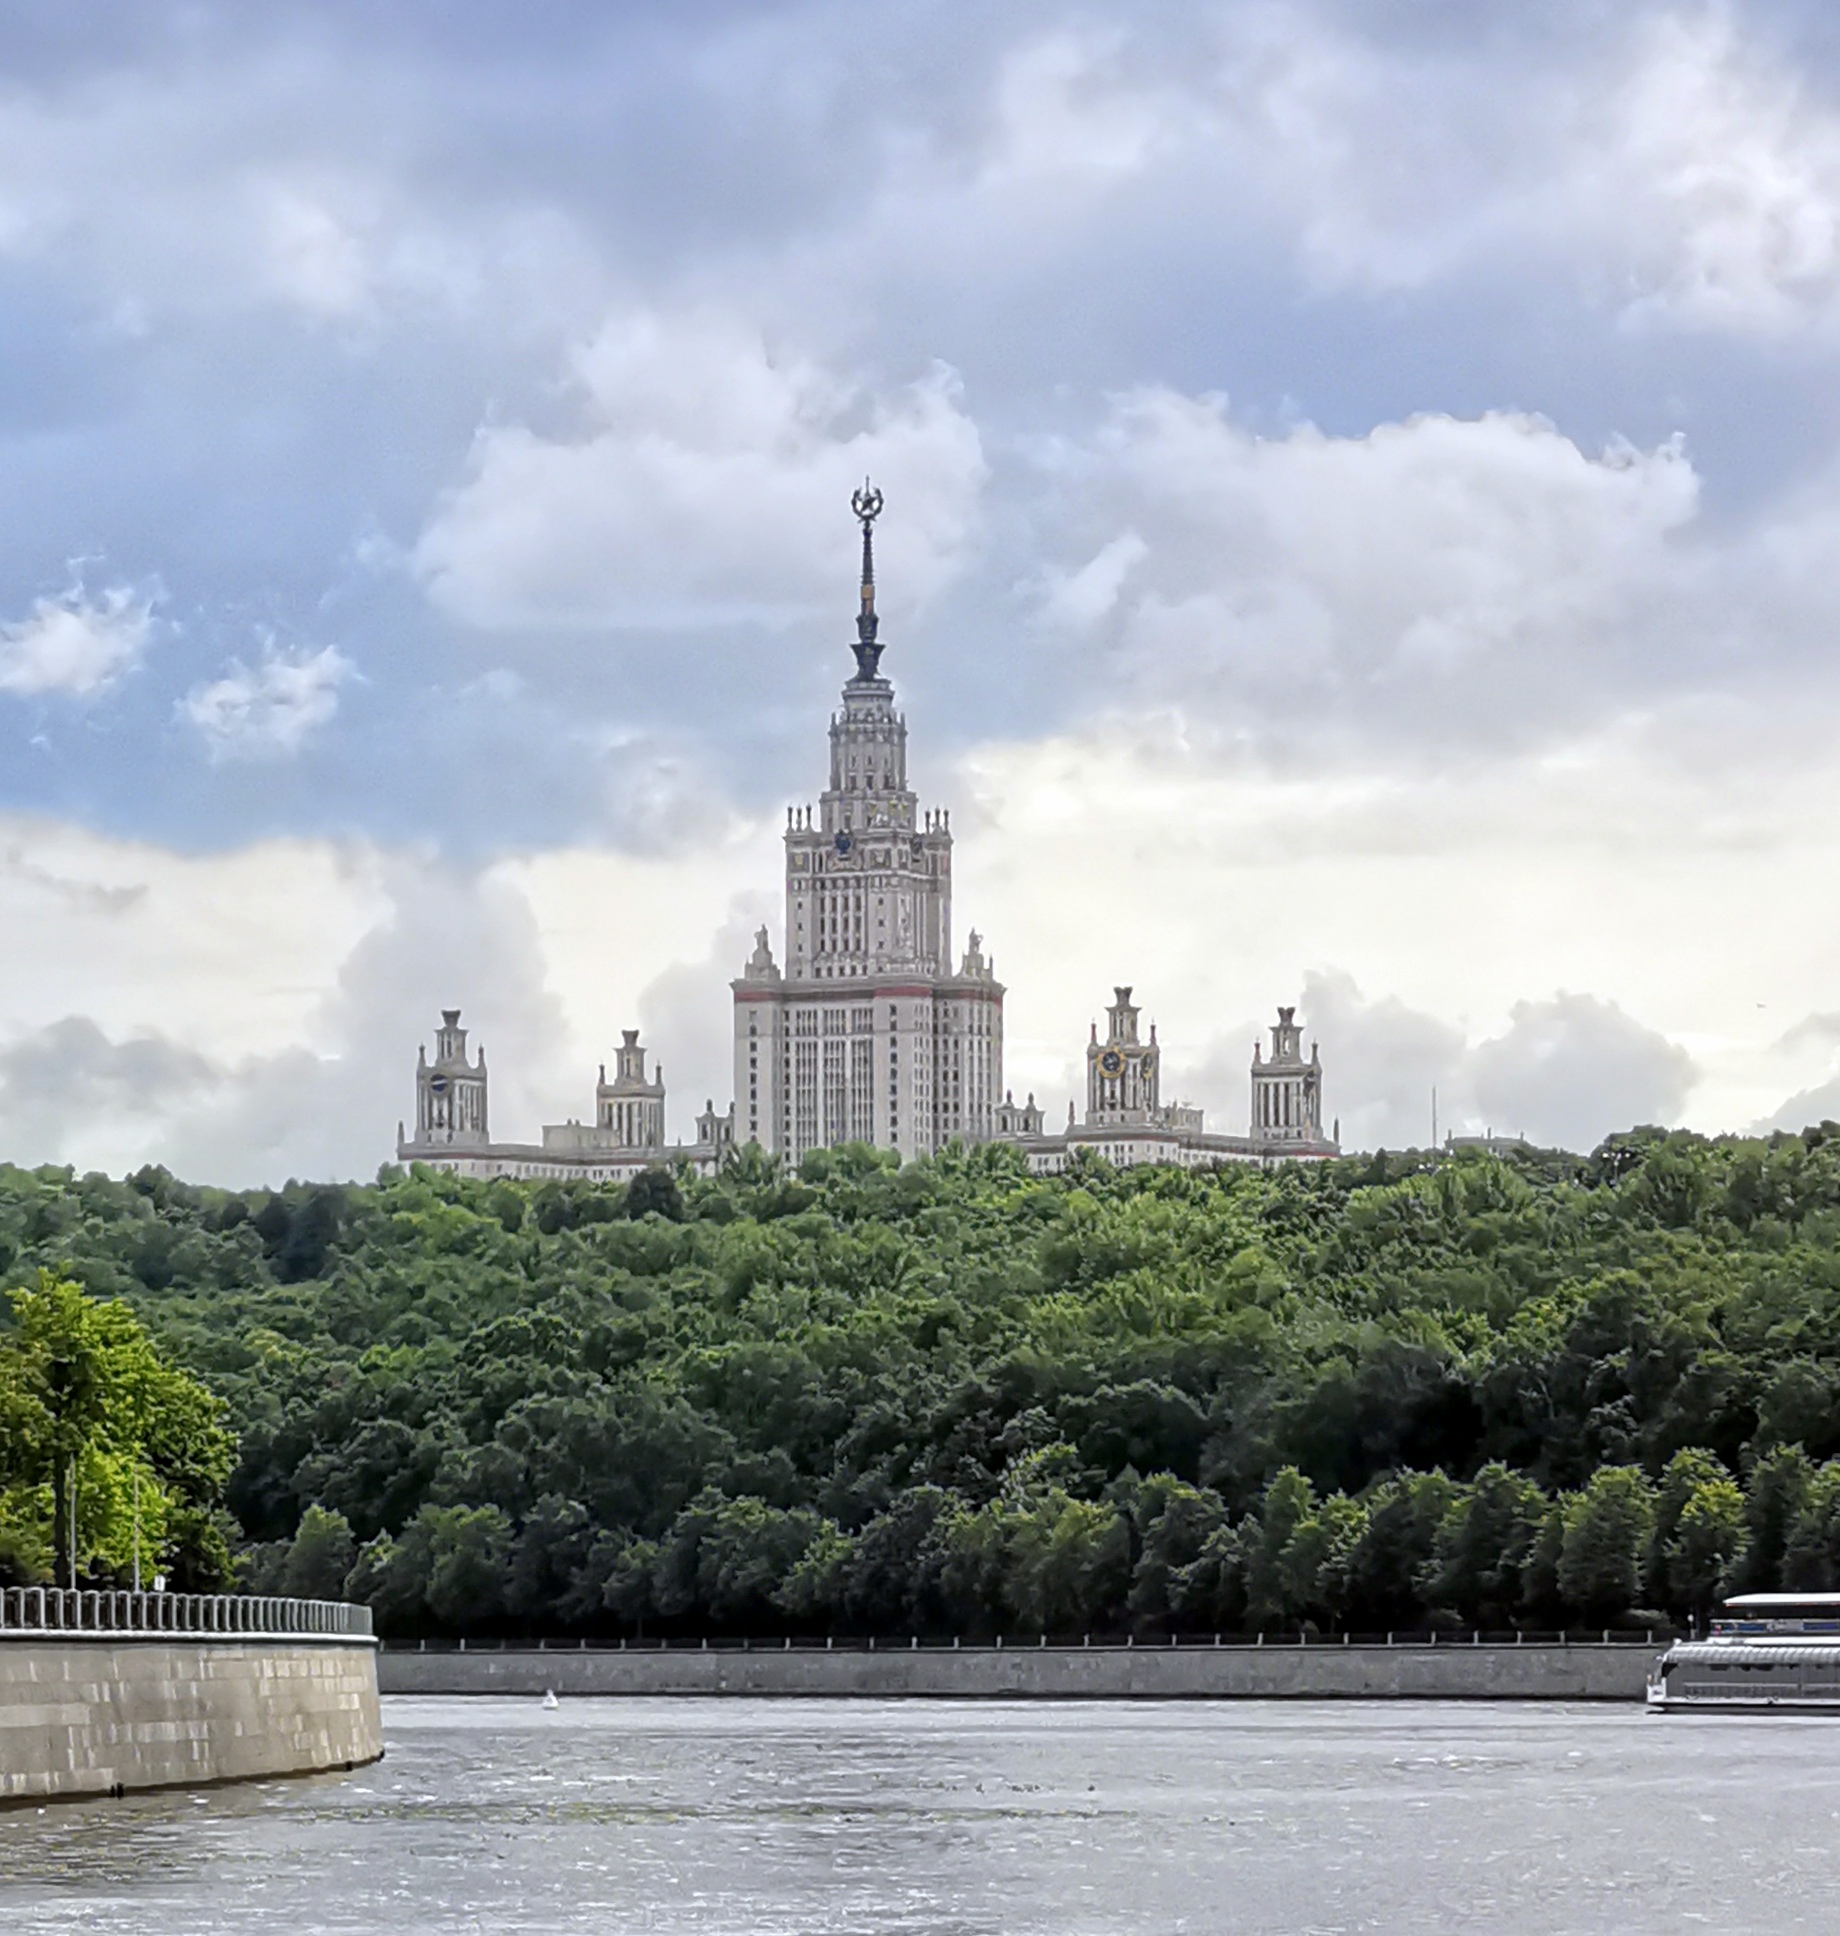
x=949 y=1398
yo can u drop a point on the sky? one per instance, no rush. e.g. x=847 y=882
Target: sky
x=1363 y=512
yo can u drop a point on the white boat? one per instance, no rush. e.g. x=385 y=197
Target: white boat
x=1764 y=1650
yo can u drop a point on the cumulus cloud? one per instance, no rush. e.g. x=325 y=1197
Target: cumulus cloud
x=687 y=1011
x=704 y=478
x=1384 y=1059
x=252 y=1014
x=63 y=1083
x=1682 y=165
x=323 y=1101
x=272 y=709
x=327 y=1104
x=1568 y=1070
x=1429 y=578
x=1736 y=168
x=75 y=644
x=1565 y=1072
x=1811 y=1049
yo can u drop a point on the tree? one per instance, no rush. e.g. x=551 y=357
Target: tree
x=129 y=1450
x=1773 y=1500
x=1297 y=1555
x=655 y=1192
x=449 y=1570
x=1386 y=1569
x=1701 y=1550
x=1068 y=1564
x=1811 y=1557
x=1175 y=1523
x=322 y=1555
x=1483 y=1547
x=1208 y=1595
x=1607 y=1531
x=1687 y=1472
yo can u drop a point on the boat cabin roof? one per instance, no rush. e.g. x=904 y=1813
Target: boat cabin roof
x=1777 y=1602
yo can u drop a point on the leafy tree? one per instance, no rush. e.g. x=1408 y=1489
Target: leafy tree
x=1608 y=1526
x=117 y=1449
x=1174 y=1523
x=655 y=1193
x=1690 y=1469
x=1397 y=1540
x=321 y=1556
x=1284 y=1556
x=1484 y=1546
x=949 y=1396
x=1704 y=1545
x=1208 y=1595
x=1811 y=1556
x=1773 y=1501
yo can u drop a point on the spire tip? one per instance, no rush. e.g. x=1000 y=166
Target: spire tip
x=867 y=504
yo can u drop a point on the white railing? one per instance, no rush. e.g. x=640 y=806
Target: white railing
x=31 y=1612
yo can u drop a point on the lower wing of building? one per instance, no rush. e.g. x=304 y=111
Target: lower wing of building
x=627 y=1135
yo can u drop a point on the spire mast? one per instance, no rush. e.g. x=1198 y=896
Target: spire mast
x=867 y=504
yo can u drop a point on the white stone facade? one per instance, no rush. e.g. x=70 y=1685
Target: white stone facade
x=868 y=1034
x=1286 y=1090
x=1128 y=1123
x=870 y=1031
x=626 y=1136
x=450 y=1092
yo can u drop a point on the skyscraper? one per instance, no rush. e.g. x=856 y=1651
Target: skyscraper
x=868 y=1033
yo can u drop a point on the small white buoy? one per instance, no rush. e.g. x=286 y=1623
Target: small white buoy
x=549 y=1698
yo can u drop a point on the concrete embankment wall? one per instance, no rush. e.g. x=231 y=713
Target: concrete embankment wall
x=1503 y=1673
x=109 y=1715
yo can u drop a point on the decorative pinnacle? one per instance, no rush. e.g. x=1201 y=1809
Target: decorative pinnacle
x=867 y=504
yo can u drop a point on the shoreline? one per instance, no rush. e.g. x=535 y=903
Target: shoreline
x=1487 y=1671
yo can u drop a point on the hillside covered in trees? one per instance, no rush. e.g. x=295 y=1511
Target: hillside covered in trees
x=952 y=1398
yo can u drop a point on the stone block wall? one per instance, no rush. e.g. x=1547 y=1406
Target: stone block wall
x=1459 y=1672
x=105 y=1716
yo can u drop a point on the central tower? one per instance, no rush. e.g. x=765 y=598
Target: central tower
x=868 y=1035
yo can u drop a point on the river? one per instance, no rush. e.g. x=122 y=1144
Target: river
x=740 y=1816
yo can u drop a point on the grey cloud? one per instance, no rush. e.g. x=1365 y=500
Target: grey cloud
x=1569 y=1070
x=64 y=1085
x=1812 y=1043
x=1566 y=1072
x=1818 y=1105
x=327 y=1109
x=330 y=1109
x=686 y=1014
x=1383 y=1059
x=87 y=896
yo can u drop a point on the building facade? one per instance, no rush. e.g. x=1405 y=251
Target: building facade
x=872 y=1029
x=869 y=1032
x=1127 y=1122
x=1286 y=1090
x=626 y=1136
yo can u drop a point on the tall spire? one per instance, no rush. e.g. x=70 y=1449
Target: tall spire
x=867 y=504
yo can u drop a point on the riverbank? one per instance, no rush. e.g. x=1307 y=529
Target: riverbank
x=114 y=1693
x=1587 y=1671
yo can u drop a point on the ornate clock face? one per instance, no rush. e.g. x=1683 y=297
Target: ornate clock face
x=438 y=1084
x=1111 y=1062
x=844 y=843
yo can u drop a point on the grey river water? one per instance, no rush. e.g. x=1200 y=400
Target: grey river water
x=782 y=1816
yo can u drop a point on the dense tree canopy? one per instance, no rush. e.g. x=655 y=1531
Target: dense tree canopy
x=107 y=1453
x=952 y=1397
